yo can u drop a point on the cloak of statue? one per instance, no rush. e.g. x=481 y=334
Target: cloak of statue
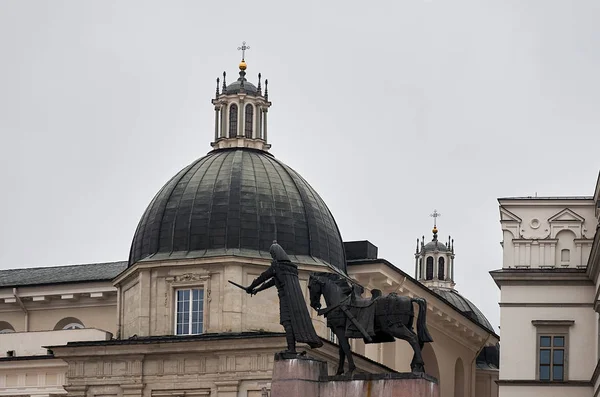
x=292 y=306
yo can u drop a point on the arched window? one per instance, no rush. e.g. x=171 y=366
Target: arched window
x=248 y=121
x=565 y=255
x=233 y=120
x=420 y=268
x=69 y=323
x=441 y=275
x=6 y=328
x=429 y=268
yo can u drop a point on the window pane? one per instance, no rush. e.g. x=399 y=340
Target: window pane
x=559 y=341
x=544 y=356
x=544 y=372
x=557 y=372
x=544 y=341
x=558 y=358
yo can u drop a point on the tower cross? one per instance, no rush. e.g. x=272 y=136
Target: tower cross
x=243 y=48
x=435 y=215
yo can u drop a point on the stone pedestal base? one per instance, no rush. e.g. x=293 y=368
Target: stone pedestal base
x=306 y=377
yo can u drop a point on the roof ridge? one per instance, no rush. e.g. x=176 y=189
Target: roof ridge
x=62 y=266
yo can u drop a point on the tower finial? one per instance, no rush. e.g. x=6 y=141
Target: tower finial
x=218 y=86
x=224 y=85
x=266 y=89
x=435 y=215
x=258 y=88
x=243 y=48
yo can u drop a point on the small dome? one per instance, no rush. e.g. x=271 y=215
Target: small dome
x=435 y=245
x=464 y=305
x=236 y=202
x=237 y=86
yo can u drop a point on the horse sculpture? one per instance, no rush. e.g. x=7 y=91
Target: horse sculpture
x=376 y=320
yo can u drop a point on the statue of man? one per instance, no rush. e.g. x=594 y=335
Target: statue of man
x=293 y=312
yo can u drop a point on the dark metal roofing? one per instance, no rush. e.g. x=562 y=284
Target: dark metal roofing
x=489 y=358
x=236 y=87
x=435 y=246
x=61 y=274
x=464 y=305
x=236 y=202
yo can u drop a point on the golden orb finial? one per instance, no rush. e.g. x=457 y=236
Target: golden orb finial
x=435 y=230
x=243 y=65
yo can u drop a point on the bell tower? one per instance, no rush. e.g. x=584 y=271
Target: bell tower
x=241 y=111
x=434 y=261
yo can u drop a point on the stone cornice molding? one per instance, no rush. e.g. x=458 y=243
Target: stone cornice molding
x=525 y=382
x=537 y=276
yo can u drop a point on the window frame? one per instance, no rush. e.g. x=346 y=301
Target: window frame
x=248 y=121
x=427 y=264
x=72 y=326
x=552 y=328
x=203 y=304
x=233 y=124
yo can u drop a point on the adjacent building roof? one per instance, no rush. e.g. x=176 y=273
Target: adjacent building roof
x=61 y=274
x=464 y=305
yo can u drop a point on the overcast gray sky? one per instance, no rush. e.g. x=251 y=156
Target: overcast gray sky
x=389 y=109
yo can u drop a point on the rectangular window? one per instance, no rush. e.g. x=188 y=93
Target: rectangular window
x=189 y=307
x=552 y=349
x=552 y=357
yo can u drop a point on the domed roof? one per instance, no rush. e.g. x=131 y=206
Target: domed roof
x=464 y=305
x=435 y=245
x=240 y=83
x=236 y=202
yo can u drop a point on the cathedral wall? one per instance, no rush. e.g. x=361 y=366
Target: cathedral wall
x=226 y=308
x=100 y=317
x=130 y=306
x=15 y=317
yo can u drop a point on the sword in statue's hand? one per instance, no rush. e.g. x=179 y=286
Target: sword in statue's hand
x=239 y=286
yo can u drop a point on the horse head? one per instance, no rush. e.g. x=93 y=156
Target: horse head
x=315 y=289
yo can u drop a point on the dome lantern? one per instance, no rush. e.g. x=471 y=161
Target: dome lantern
x=434 y=261
x=241 y=112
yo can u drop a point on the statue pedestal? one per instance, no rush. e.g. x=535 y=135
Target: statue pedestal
x=297 y=377
x=303 y=377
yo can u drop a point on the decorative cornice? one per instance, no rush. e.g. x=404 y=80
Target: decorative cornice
x=538 y=276
x=544 y=304
x=552 y=323
x=524 y=382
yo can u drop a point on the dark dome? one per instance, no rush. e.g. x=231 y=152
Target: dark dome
x=435 y=246
x=236 y=87
x=464 y=305
x=236 y=202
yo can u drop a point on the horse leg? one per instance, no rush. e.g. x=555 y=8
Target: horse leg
x=345 y=351
x=342 y=354
x=400 y=331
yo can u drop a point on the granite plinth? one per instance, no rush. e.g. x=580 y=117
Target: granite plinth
x=305 y=376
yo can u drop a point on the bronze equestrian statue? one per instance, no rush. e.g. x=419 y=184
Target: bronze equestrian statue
x=293 y=311
x=376 y=320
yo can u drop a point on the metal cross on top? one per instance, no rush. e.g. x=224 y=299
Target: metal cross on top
x=243 y=48
x=435 y=215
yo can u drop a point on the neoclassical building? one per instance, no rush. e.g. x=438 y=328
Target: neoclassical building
x=166 y=322
x=549 y=284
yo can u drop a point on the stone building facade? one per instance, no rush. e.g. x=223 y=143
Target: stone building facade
x=549 y=296
x=167 y=322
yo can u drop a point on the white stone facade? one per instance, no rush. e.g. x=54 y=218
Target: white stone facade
x=549 y=296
